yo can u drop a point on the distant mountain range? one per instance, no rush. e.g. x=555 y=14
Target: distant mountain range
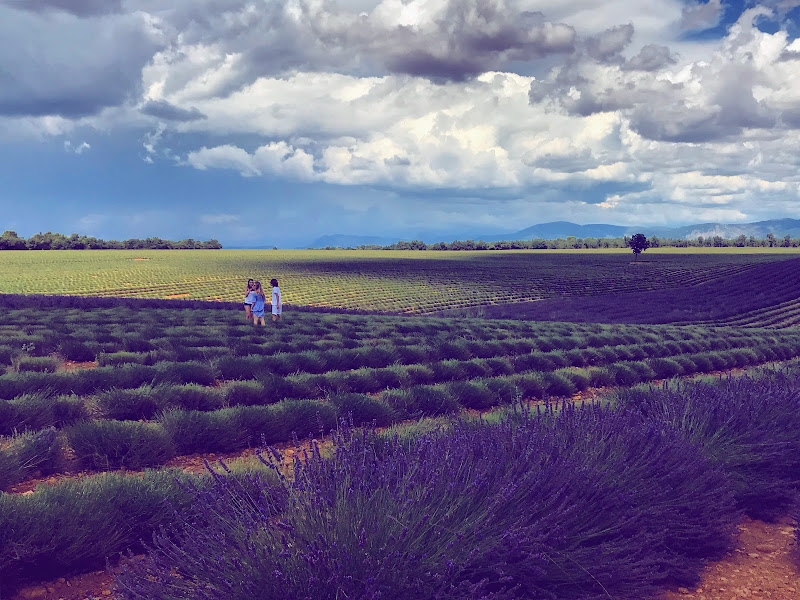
x=563 y=229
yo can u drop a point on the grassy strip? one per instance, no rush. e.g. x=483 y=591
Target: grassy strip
x=136 y=391
x=259 y=417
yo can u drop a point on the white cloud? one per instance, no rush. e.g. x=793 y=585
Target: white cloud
x=76 y=149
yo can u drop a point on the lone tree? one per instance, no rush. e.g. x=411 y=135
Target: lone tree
x=638 y=243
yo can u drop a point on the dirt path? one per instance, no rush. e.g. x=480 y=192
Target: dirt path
x=764 y=566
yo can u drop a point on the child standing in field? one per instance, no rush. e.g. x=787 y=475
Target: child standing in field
x=277 y=305
x=248 y=305
x=257 y=300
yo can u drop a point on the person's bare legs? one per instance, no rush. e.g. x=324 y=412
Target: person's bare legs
x=248 y=312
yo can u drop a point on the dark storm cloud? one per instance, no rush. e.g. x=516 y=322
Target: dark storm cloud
x=732 y=109
x=81 y=8
x=473 y=38
x=606 y=47
x=162 y=109
x=76 y=67
x=650 y=58
x=467 y=39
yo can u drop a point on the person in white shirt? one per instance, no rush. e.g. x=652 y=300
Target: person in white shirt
x=277 y=305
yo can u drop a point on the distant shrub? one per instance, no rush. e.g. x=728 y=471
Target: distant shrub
x=471 y=394
x=719 y=360
x=196 y=431
x=9 y=469
x=132 y=404
x=600 y=377
x=234 y=367
x=125 y=376
x=184 y=372
x=39 y=364
x=702 y=362
x=115 y=444
x=76 y=350
x=134 y=343
x=529 y=385
x=743 y=357
x=556 y=384
x=580 y=378
x=665 y=368
x=305 y=417
x=121 y=358
x=382 y=356
x=576 y=357
x=687 y=365
x=499 y=366
x=248 y=393
x=301 y=385
x=412 y=355
x=419 y=374
x=535 y=361
x=7 y=354
x=502 y=390
x=454 y=349
x=448 y=370
x=194 y=397
x=394 y=376
x=31 y=412
x=421 y=400
x=363 y=409
x=623 y=374
x=38 y=451
x=27 y=454
x=17 y=384
x=360 y=381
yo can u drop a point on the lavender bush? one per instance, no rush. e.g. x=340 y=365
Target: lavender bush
x=576 y=504
x=750 y=427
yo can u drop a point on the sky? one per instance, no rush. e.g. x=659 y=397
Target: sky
x=273 y=122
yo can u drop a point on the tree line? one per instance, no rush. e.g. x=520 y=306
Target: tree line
x=571 y=242
x=9 y=240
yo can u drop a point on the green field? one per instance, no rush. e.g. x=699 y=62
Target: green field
x=410 y=282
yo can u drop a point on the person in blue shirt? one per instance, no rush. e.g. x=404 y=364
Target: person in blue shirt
x=257 y=298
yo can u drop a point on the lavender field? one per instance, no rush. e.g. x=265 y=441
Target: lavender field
x=398 y=488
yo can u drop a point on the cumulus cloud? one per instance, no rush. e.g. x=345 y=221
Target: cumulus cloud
x=699 y=16
x=164 y=110
x=608 y=45
x=651 y=57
